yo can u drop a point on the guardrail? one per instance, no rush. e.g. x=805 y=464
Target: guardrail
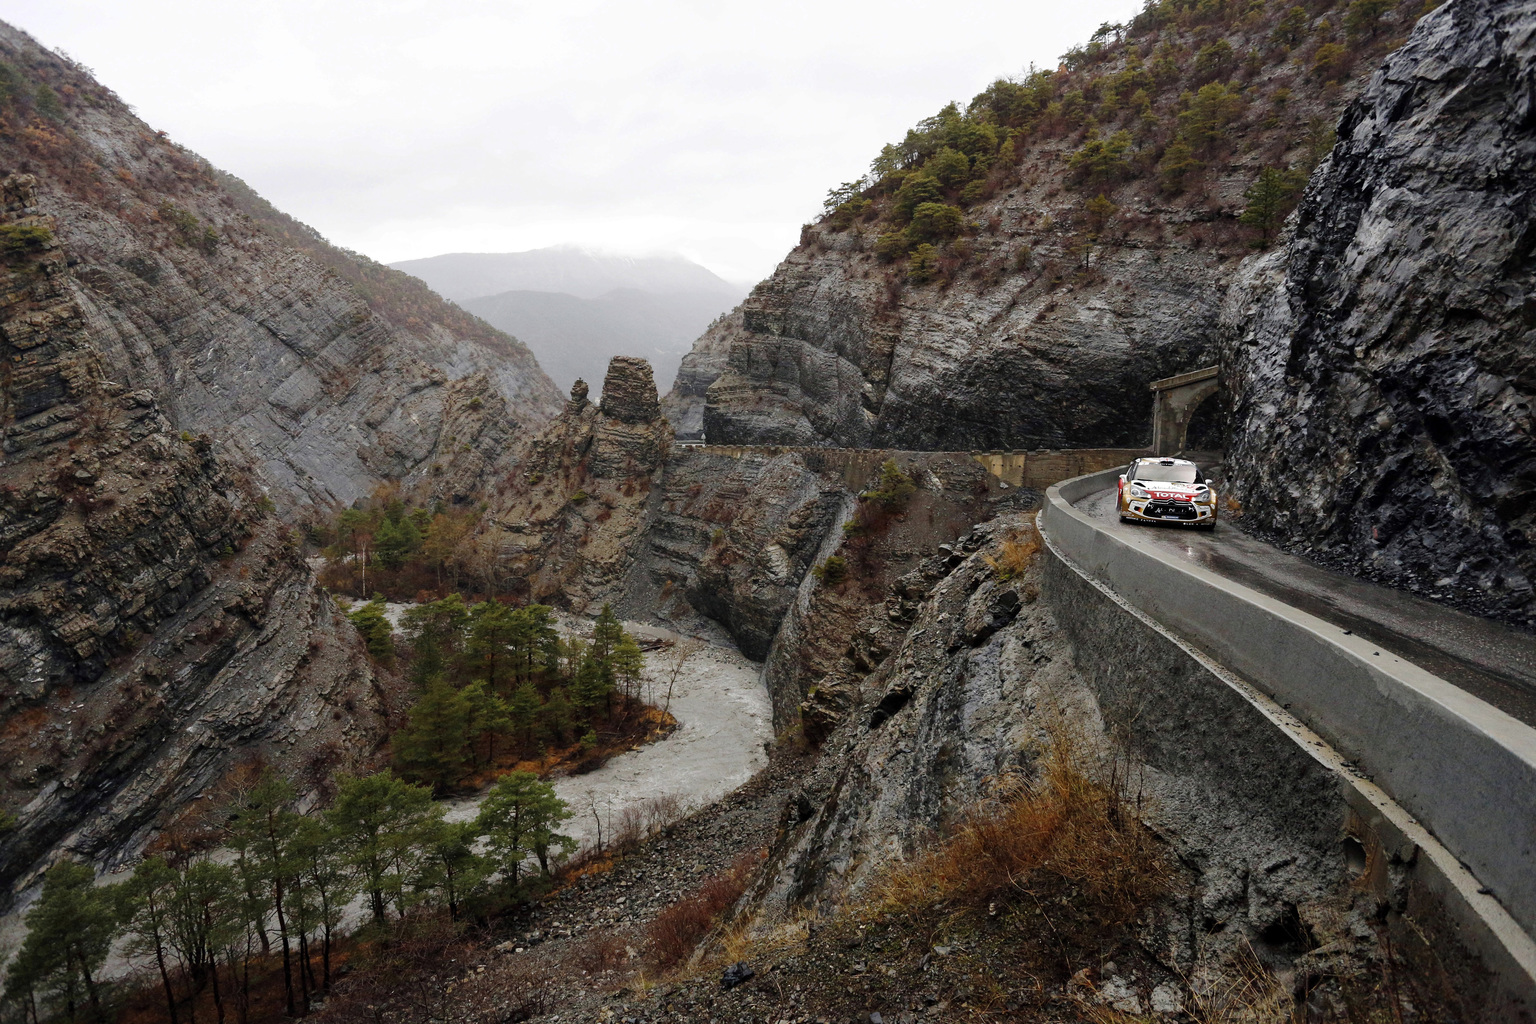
x=1464 y=769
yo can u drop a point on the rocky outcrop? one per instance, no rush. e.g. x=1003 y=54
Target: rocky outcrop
x=562 y=527
x=1381 y=365
x=320 y=373
x=157 y=628
x=684 y=404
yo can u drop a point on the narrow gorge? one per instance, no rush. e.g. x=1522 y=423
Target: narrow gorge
x=998 y=787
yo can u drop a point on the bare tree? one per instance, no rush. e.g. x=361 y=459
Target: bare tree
x=686 y=647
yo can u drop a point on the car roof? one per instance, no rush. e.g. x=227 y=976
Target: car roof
x=1165 y=461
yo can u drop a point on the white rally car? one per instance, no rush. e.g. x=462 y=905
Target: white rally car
x=1167 y=490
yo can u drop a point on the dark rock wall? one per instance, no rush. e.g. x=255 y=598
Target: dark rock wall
x=1382 y=366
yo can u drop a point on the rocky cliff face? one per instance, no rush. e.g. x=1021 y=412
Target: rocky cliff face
x=1079 y=234
x=157 y=629
x=1382 y=365
x=989 y=676
x=319 y=371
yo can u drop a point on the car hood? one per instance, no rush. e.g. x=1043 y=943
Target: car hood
x=1160 y=489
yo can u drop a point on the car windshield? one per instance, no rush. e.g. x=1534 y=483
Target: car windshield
x=1160 y=473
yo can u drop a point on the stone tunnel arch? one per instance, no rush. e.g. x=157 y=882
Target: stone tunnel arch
x=1174 y=400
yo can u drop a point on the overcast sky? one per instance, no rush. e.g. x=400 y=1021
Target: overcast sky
x=405 y=128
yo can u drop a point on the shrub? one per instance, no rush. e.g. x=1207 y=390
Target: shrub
x=677 y=930
x=377 y=633
x=832 y=571
x=935 y=222
x=578 y=497
x=48 y=103
x=1065 y=826
x=923 y=264
x=1015 y=553
x=893 y=489
x=21 y=238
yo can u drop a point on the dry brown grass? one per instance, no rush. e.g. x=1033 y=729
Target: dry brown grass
x=1064 y=828
x=677 y=931
x=1016 y=553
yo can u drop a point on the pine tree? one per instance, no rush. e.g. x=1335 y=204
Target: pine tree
x=150 y=892
x=452 y=868
x=519 y=817
x=486 y=717
x=380 y=822
x=591 y=688
x=437 y=633
x=523 y=710
x=263 y=824
x=557 y=714
x=628 y=666
x=332 y=880
x=1270 y=199
x=431 y=748
x=69 y=932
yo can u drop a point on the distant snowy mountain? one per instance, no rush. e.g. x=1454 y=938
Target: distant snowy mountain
x=575 y=309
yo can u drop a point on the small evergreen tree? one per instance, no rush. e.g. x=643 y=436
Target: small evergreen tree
x=1270 y=199
x=923 y=264
x=431 y=748
x=519 y=817
x=377 y=633
x=628 y=667
x=1362 y=20
x=523 y=710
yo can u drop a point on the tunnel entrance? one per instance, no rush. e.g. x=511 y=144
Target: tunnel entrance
x=1174 y=401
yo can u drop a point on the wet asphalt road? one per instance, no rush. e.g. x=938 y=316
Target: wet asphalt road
x=1488 y=660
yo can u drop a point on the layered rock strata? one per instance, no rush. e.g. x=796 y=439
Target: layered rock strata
x=322 y=373
x=1382 y=366
x=157 y=628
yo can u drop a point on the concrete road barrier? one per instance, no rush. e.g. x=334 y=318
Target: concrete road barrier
x=1464 y=769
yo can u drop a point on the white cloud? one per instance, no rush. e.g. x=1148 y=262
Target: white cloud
x=404 y=128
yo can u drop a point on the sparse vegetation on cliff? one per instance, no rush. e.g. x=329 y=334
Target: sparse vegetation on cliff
x=1156 y=107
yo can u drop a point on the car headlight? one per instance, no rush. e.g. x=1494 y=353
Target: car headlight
x=1138 y=492
x=1208 y=498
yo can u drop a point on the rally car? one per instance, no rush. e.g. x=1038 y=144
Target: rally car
x=1167 y=491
